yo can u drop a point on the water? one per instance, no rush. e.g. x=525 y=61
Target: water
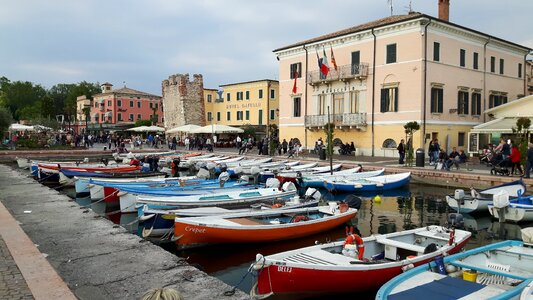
x=412 y=207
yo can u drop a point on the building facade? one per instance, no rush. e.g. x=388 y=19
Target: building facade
x=253 y=103
x=395 y=70
x=117 y=109
x=183 y=100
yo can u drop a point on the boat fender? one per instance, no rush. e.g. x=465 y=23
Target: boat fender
x=452 y=237
x=354 y=239
x=299 y=218
x=277 y=205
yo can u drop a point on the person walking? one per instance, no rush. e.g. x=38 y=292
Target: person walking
x=401 y=151
x=284 y=145
x=529 y=160
x=515 y=160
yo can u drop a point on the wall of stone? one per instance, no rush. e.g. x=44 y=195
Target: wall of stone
x=183 y=100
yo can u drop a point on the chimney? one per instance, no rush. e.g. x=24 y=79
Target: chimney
x=444 y=10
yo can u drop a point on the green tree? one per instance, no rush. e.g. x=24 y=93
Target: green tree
x=6 y=119
x=273 y=132
x=143 y=123
x=249 y=130
x=410 y=129
x=19 y=95
x=522 y=132
x=83 y=88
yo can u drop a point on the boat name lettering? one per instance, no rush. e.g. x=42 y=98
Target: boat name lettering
x=284 y=269
x=195 y=230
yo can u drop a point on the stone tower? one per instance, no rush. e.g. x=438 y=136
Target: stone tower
x=183 y=100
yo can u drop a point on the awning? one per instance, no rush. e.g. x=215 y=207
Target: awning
x=501 y=125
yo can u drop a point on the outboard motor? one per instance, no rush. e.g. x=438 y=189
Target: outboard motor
x=222 y=178
x=105 y=161
x=456 y=220
x=203 y=173
x=288 y=186
x=211 y=167
x=223 y=167
x=244 y=178
x=237 y=171
x=255 y=171
x=312 y=193
x=272 y=183
x=353 y=201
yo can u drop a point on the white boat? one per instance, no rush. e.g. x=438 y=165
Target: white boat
x=478 y=201
x=515 y=210
x=376 y=183
x=317 y=180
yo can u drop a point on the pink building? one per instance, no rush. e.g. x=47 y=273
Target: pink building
x=392 y=71
x=121 y=108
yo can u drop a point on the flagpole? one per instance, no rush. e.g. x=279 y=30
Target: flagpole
x=330 y=144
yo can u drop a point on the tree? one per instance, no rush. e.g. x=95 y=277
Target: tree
x=273 y=132
x=522 y=132
x=6 y=119
x=143 y=123
x=74 y=91
x=249 y=130
x=410 y=129
x=329 y=131
x=18 y=95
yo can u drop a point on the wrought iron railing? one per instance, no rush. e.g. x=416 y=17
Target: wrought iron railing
x=342 y=73
x=356 y=119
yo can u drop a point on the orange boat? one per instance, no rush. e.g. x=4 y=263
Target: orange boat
x=104 y=169
x=262 y=226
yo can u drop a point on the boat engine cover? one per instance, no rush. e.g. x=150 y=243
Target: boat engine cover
x=501 y=199
x=288 y=186
x=272 y=183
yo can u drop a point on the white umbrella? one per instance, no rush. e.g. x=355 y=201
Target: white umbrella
x=184 y=128
x=41 y=128
x=217 y=128
x=138 y=129
x=20 y=127
x=155 y=128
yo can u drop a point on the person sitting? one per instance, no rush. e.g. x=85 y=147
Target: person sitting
x=443 y=161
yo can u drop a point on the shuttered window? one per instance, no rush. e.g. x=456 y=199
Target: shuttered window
x=389 y=99
x=391 y=53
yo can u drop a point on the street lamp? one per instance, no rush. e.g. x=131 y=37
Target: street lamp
x=87 y=113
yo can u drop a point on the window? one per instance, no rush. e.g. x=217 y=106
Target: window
x=476 y=103
x=131 y=117
x=501 y=66
x=295 y=69
x=519 y=70
x=96 y=118
x=247 y=95
x=95 y=104
x=462 y=102
x=151 y=105
x=209 y=116
x=239 y=96
x=436 y=51
x=321 y=104
x=209 y=98
x=108 y=102
x=131 y=103
x=228 y=115
x=119 y=103
x=156 y=105
x=462 y=57
x=389 y=99
x=138 y=104
x=260 y=94
x=247 y=115
x=297 y=107
x=497 y=99
x=492 y=64
x=260 y=114
x=228 y=97
x=272 y=94
x=354 y=102
x=437 y=96
x=338 y=100
x=272 y=114
x=239 y=116
x=475 y=62
x=119 y=117
x=391 y=53
x=461 y=139
x=356 y=62
x=218 y=116
x=139 y=117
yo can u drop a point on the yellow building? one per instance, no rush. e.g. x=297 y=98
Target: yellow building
x=240 y=104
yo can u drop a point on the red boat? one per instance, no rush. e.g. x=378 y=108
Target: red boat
x=351 y=266
x=102 y=169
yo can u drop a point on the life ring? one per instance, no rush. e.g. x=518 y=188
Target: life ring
x=357 y=240
x=299 y=218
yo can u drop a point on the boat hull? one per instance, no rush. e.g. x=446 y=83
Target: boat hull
x=468 y=205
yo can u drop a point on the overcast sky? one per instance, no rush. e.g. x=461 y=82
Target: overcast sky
x=142 y=42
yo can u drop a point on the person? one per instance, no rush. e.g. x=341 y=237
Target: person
x=162 y=294
x=352 y=147
x=436 y=150
x=442 y=161
x=14 y=140
x=529 y=160
x=515 y=160
x=401 y=151
x=284 y=145
x=242 y=149
x=506 y=149
x=174 y=143
x=260 y=147
x=238 y=142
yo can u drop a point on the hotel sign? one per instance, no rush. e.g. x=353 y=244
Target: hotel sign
x=243 y=105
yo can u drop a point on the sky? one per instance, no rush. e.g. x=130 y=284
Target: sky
x=142 y=42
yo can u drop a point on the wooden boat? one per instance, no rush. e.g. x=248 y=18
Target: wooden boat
x=186 y=163
x=377 y=183
x=50 y=172
x=270 y=173
x=257 y=227
x=275 y=165
x=81 y=183
x=317 y=180
x=68 y=177
x=515 y=210
x=343 y=267
x=527 y=292
x=226 y=199
x=478 y=201
x=497 y=271
x=157 y=222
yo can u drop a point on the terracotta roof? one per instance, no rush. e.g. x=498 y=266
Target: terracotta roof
x=128 y=91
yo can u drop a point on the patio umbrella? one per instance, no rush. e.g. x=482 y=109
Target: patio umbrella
x=184 y=128
x=139 y=129
x=155 y=128
x=20 y=127
x=217 y=128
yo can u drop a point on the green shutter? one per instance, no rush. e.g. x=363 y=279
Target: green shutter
x=395 y=99
x=440 y=99
x=384 y=94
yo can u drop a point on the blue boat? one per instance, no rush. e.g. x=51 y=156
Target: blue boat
x=317 y=180
x=515 y=210
x=497 y=271
x=377 y=183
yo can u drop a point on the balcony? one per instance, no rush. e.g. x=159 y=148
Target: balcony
x=345 y=72
x=341 y=121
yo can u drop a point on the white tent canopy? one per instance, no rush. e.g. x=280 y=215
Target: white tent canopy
x=20 y=127
x=217 y=128
x=147 y=129
x=184 y=128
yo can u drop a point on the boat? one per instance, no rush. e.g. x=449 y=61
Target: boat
x=157 y=222
x=376 y=183
x=186 y=163
x=68 y=177
x=351 y=266
x=259 y=227
x=496 y=271
x=83 y=179
x=515 y=210
x=478 y=201
x=291 y=171
x=317 y=180
x=276 y=165
x=226 y=199
x=527 y=292
x=50 y=172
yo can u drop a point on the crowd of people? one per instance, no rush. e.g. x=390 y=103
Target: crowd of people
x=507 y=155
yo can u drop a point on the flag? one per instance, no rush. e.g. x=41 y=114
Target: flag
x=325 y=61
x=321 y=66
x=294 y=88
x=333 y=59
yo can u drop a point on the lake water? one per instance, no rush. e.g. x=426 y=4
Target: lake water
x=412 y=207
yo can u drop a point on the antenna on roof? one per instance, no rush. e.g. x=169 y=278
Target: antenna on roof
x=391 y=8
x=124 y=82
x=410 y=7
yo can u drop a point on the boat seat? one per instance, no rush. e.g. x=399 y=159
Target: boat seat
x=434 y=235
x=245 y=221
x=391 y=247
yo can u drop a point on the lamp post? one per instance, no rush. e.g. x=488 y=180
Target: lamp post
x=87 y=112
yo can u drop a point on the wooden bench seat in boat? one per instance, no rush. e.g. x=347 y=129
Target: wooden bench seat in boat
x=245 y=221
x=486 y=269
x=434 y=235
x=320 y=257
x=391 y=247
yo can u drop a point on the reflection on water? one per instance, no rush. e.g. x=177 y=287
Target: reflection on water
x=412 y=207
